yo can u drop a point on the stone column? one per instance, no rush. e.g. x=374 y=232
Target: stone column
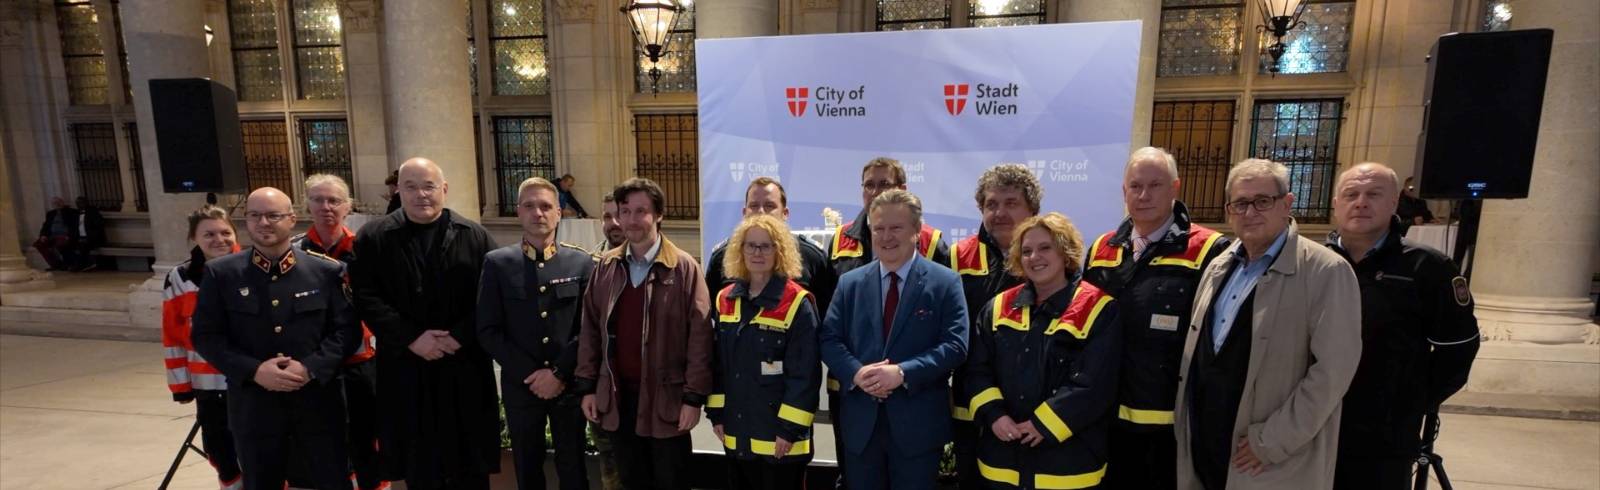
x=369 y=139
x=30 y=118
x=165 y=39
x=428 y=93
x=735 y=18
x=591 y=81
x=1148 y=11
x=1535 y=256
x=15 y=275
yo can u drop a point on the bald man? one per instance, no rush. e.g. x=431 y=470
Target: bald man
x=416 y=287
x=1418 y=333
x=278 y=322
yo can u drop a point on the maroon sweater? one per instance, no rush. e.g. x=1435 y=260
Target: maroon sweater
x=628 y=325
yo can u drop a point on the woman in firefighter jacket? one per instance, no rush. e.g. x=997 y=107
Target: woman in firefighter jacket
x=189 y=376
x=1042 y=370
x=766 y=370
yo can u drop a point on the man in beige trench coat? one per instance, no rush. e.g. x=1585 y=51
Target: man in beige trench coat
x=1274 y=341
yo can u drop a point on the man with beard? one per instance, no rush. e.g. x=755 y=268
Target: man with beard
x=416 y=286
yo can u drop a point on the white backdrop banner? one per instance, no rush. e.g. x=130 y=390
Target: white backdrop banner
x=949 y=103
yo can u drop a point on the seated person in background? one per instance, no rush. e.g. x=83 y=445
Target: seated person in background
x=91 y=234
x=58 y=237
x=570 y=207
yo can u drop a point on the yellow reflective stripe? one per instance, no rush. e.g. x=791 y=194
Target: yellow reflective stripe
x=1149 y=417
x=985 y=396
x=833 y=384
x=983 y=260
x=1192 y=264
x=955 y=263
x=933 y=243
x=716 y=400
x=1053 y=422
x=960 y=413
x=1001 y=475
x=788 y=318
x=1069 y=482
x=837 y=253
x=1094 y=252
x=798 y=416
x=998 y=315
x=1079 y=331
x=768 y=448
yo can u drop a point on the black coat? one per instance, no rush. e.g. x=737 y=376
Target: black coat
x=440 y=418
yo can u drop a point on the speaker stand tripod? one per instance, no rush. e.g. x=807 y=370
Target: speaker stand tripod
x=188 y=445
x=1429 y=459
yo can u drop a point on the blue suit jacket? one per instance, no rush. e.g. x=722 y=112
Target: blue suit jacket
x=928 y=341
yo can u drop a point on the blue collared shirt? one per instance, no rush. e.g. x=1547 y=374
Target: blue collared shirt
x=883 y=279
x=639 y=267
x=1239 y=286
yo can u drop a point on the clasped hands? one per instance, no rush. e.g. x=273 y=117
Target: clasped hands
x=433 y=345
x=282 y=374
x=879 y=379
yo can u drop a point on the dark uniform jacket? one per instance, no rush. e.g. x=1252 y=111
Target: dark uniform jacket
x=528 y=313
x=252 y=308
x=766 y=369
x=981 y=263
x=343 y=249
x=816 y=275
x=1156 y=296
x=1054 y=364
x=1419 y=338
x=440 y=418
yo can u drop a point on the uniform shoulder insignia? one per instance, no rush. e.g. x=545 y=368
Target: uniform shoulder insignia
x=1463 y=294
x=574 y=247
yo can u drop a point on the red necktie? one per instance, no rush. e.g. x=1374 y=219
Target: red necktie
x=890 y=304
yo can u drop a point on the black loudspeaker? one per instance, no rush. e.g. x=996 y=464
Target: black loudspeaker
x=1480 y=120
x=197 y=134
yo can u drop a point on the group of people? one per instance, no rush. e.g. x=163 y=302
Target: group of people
x=69 y=236
x=1161 y=354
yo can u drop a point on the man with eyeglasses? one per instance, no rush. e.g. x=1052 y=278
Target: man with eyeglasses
x=278 y=322
x=766 y=196
x=416 y=286
x=330 y=203
x=1273 y=343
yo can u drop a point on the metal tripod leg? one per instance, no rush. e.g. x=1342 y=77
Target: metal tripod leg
x=188 y=445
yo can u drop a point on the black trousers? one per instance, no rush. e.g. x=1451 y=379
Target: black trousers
x=965 y=437
x=361 y=402
x=647 y=463
x=211 y=409
x=264 y=456
x=763 y=474
x=472 y=482
x=526 y=425
x=1142 y=459
x=1373 y=473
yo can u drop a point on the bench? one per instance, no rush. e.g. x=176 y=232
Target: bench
x=136 y=258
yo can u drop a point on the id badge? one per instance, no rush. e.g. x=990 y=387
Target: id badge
x=1164 y=322
x=771 y=368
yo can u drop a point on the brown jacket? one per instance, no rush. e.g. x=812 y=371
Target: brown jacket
x=677 y=340
x=1307 y=328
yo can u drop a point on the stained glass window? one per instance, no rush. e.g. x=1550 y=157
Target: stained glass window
x=677 y=65
x=253 y=30
x=518 y=38
x=907 y=15
x=325 y=147
x=1322 y=45
x=1199 y=38
x=1304 y=136
x=1496 y=15
x=94 y=148
x=524 y=146
x=82 y=52
x=319 y=61
x=266 y=154
x=997 y=13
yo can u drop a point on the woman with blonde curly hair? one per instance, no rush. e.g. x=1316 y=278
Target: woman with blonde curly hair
x=1042 y=369
x=766 y=370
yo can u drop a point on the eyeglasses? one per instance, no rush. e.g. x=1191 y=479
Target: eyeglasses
x=329 y=201
x=758 y=248
x=271 y=217
x=881 y=185
x=1261 y=203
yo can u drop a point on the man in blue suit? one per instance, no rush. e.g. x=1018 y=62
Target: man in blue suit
x=895 y=330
